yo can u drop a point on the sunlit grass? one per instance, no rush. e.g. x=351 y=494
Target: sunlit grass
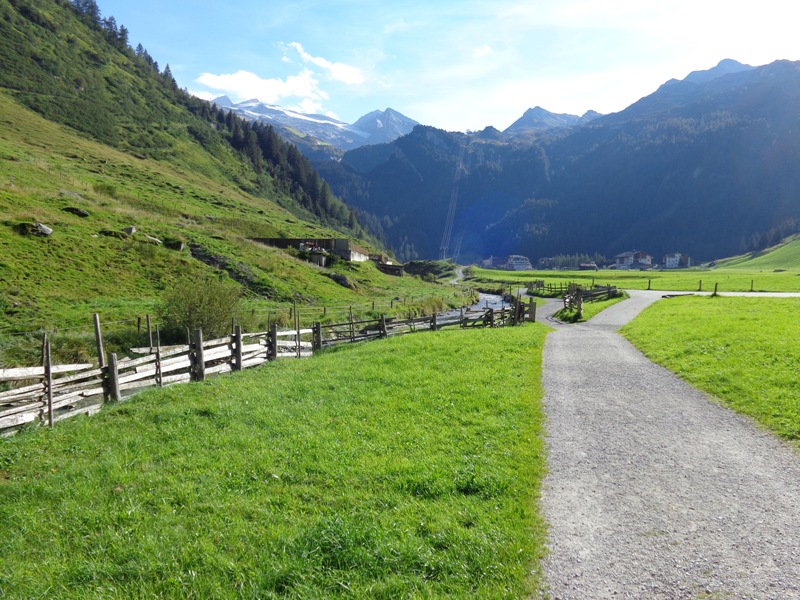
x=404 y=468
x=741 y=350
x=589 y=309
x=690 y=280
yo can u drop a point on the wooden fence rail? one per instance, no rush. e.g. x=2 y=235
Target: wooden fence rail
x=50 y=393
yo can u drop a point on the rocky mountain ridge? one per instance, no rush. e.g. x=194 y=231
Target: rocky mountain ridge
x=705 y=166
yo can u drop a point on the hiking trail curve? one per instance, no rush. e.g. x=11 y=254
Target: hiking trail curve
x=655 y=490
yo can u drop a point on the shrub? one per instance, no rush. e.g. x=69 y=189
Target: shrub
x=201 y=302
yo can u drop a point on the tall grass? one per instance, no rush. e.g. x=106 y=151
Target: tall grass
x=405 y=468
x=741 y=350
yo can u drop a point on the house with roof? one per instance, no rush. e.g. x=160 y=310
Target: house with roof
x=634 y=260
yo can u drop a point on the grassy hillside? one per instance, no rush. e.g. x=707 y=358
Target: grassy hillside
x=785 y=255
x=46 y=168
x=196 y=180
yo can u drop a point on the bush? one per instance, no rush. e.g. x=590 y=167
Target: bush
x=207 y=303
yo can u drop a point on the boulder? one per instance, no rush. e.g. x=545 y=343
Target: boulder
x=43 y=230
x=77 y=211
x=115 y=234
x=343 y=280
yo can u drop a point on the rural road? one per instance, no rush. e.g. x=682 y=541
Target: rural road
x=654 y=490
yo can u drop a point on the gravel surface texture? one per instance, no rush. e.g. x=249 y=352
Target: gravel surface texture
x=654 y=490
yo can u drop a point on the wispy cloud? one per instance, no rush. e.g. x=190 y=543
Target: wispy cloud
x=301 y=90
x=482 y=51
x=337 y=71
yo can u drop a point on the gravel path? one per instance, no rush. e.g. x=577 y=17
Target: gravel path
x=654 y=490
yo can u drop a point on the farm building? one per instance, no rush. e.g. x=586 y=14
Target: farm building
x=633 y=260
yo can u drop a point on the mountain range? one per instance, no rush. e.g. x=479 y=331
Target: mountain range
x=321 y=136
x=705 y=166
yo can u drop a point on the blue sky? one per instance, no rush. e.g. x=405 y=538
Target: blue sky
x=458 y=65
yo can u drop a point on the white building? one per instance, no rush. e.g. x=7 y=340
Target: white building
x=676 y=260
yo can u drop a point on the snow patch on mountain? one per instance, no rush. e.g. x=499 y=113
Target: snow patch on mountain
x=377 y=127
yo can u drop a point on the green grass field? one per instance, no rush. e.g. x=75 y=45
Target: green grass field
x=742 y=350
x=689 y=280
x=403 y=468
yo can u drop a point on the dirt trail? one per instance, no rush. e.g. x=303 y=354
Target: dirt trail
x=654 y=490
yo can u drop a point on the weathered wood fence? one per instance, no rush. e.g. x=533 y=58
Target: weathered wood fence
x=576 y=295
x=49 y=393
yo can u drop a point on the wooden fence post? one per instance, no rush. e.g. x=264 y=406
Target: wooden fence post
x=149 y=333
x=700 y=288
x=48 y=379
x=532 y=311
x=297 y=327
x=716 y=285
x=491 y=317
x=159 y=375
x=272 y=342
x=317 y=341
x=433 y=322
x=197 y=357
x=114 y=394
x=352 y=326
x=237 y=348
x=384 y=333
x=98 y=338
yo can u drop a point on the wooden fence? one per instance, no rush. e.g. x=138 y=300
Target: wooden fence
x=49 y=393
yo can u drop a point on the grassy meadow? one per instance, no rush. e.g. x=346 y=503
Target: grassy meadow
x=741 y=350
x=744 y=279
x=403 y=468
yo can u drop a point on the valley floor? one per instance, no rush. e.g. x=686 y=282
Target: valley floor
x=654 y=490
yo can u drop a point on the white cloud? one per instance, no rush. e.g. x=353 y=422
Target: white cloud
x=204 y=95
x=482 y=51
x=244 y=85
x=337 y=71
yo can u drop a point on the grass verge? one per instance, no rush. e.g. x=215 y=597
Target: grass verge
x=741 y=350
x=590 y=309
x=404 y=468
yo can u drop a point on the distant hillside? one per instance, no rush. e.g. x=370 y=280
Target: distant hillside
x=704 y=166
x=785 y=255
x=65 y=62
x=537 y=119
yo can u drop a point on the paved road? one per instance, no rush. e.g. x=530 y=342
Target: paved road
x=654 y=490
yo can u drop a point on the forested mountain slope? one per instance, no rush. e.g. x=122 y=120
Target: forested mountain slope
x=96 y=139
x=704 y=166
